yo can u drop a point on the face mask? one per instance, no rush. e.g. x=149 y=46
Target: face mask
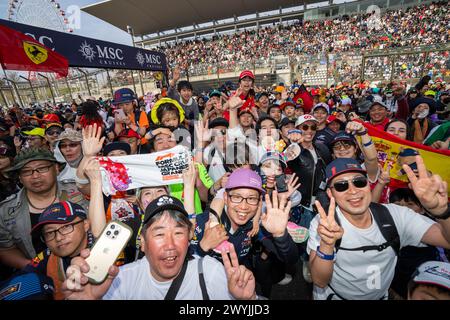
x=423 y=114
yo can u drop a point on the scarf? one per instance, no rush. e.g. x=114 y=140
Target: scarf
x=420 y=132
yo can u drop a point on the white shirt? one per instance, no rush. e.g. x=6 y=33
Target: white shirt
x=135 y=282
x=359 y=275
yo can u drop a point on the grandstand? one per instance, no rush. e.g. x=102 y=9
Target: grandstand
x=218 y=43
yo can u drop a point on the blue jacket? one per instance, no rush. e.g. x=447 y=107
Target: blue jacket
x=283 y=247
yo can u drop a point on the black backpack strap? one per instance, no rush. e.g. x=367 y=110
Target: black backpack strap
x=386 y=224
x=137 y=116
x=201 y=279
x=176 y=283
x=387 y=227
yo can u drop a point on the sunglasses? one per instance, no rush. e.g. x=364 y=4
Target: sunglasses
x=53 y=132
x=70 y=145
x=343 y=185
x=306 y=127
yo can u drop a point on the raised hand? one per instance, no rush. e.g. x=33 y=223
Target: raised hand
x=328 y=229
x=92 y=170
x=256 y=220
x=190 y=175
x=213 y=235
x=431 y=190
x=384 y=177
x=202 y=132
x=235 y=101
x=241 y=282
x=355 y=127
x=77 y=287
x=92 y=142
x=292 y=185
x=284 y=95
x=176 y=74
x=276 y=218
x=295 y=136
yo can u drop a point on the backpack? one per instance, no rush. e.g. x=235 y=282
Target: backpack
x=386 y=225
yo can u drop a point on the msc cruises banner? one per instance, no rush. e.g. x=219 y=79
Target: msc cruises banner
x=91 y=53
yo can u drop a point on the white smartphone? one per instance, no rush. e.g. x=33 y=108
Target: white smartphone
x=106 y=250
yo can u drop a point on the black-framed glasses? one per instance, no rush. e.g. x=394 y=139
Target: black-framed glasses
x=343 y=185
x=30 y=172
x=238 y=199
x=64 y=230
x=306 y=127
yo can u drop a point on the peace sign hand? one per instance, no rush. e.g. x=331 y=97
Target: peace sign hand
x=241 y=282
x=431 y=190
x=235 y=101
x=328 y=229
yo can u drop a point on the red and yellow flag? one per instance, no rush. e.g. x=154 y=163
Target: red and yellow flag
x=21 y=52
x=389 y=147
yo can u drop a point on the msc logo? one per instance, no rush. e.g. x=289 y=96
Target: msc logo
x=35 y=52
x=89 y=53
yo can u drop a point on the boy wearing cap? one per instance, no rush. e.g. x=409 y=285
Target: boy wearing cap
x=35 y=138
x=431 y=281
x=378 y=113
x=63 y=227
x=351 y=254
x=168 y=271
x=135 y=119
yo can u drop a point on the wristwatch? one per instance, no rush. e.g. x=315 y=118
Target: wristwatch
x=443 y=216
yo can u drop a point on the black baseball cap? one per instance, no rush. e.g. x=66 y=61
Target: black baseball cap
x=117 y=145
x=341 y=166
x=218 y=122
x=161 y=204
x=285 y=121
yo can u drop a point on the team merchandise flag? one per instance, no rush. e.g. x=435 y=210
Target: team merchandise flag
x=143 y=170
x=21 y=52
x=303 y=97
x=393 y=152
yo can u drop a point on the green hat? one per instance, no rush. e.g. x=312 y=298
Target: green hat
x=31 y=154
x=215 y=93
x=35 y=132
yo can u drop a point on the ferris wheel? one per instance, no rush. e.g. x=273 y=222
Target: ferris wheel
x=40 y=13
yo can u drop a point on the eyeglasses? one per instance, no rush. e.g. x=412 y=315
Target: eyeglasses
x=64 y=230
x=306 y=127
x=342 y=145
x=30 y=172
x=238 y=199
x=53 y=132
x=343 y=185
x=70 y=145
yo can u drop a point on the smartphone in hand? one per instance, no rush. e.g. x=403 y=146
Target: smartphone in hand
x=106 y=250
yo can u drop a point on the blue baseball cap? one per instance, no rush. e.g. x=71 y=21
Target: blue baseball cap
x=341 y=166
x=343 y=136
x=60 y=213
x=123 y=95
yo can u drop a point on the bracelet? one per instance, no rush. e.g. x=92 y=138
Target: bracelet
x=81 y=181
x=321 y=255
x=361 y=133
x=368 y=144
x=192 y=216
x=443 y=216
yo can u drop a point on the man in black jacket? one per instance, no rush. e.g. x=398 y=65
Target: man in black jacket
x=308 y=161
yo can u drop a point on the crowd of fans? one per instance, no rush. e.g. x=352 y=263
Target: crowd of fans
x=266 y=168
x=405 y=27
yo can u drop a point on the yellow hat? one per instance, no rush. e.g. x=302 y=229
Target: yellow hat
x=36 y=132
x=162 y=101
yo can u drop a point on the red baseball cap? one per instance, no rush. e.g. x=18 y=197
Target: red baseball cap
x=128 y=133
x=246 y=73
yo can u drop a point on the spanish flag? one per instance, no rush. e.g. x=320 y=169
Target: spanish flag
x=391 y=151
x=21 y=52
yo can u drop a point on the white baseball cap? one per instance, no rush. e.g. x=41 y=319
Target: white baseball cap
x=433 y=272
x=304 y=118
